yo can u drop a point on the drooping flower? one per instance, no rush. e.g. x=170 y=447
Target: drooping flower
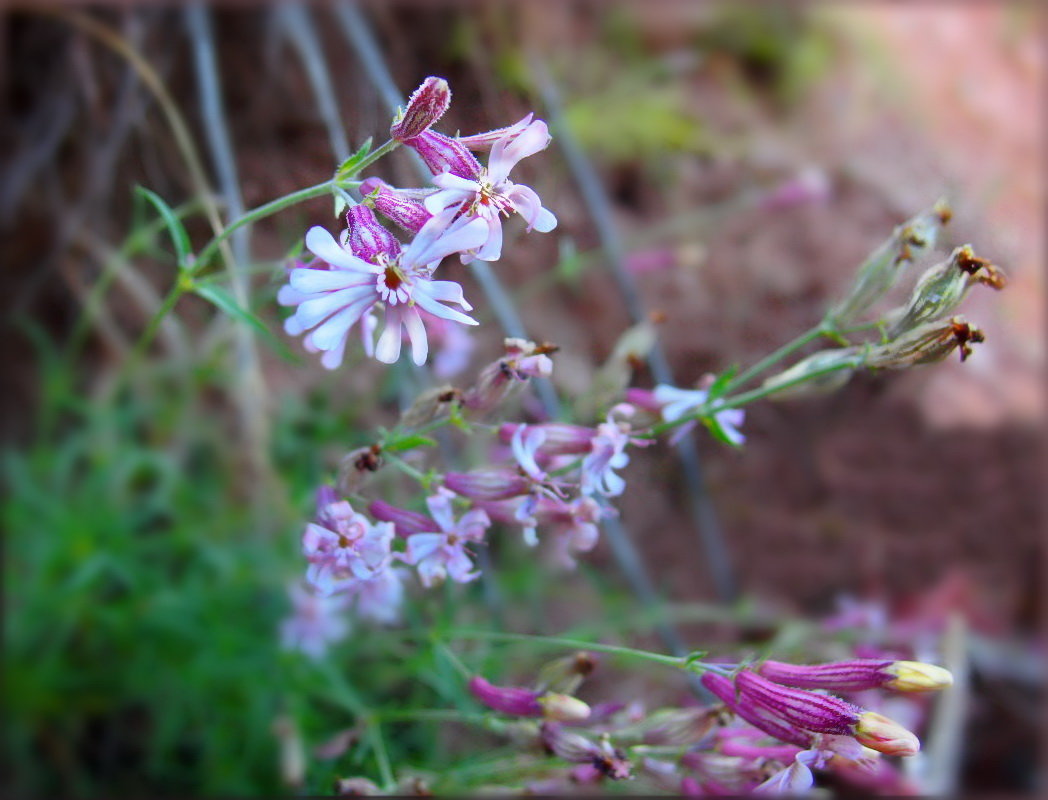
x=331 y=301
x=444 y=553
x=490 y=195
x=678 y=402
x=343 y=546
x=315 y=622
x=608 y=453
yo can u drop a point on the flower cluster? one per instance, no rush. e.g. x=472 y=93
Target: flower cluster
x=367 y=273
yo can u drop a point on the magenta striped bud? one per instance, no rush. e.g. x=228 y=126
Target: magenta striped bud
x=405 y=522
x=488 y=483
x=757 y=716
x=444 y=154
x=367 y=238
x=426 y=105
x=858 y=674
x=520 y=702
x=561 y=438
x=403 y=206
x=508 y=699
x=798 y=707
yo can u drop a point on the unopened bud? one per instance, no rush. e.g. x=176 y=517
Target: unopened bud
x=886 y=736
x=426 y=105
x=403 y=206
x=405 y=522
x=512 y=700
x=430 y=405
x=444 y=154
x=824 y=371
x=367 y=238
x=942 y=288
x=814 y=712
x=916 y=676
x=926 y=344
x=488 y=483
x=566 y=674
x=563 y=707
x=884 y=266
x=756 y=715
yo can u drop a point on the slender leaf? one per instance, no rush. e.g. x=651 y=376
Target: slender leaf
x=351 y=166
x=179 y=237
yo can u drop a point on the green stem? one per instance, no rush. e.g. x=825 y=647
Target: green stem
x=173 y=296
x=575 y=644
x=385 y=769
x=787 y=349
x=407 y=469
x=273 y=206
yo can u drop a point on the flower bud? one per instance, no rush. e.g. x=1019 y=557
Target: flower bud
x=926 y=344
x=523 y=360
x=488 y=483
x=884 y=266
x=563 y=707
x=508 y=699
x=561 y=438
x=824 y=371
x=429 y=405
x=403 y=206
x=916 y=676
x=814 y=712
x=405 y=522
x=444 y=154
x=885 y=736
x=567 y=673
x=941 y=289
x=367 y=238
x=848 y=676
x=754 y=714
x=426 y=105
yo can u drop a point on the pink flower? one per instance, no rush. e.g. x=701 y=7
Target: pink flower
x=444 y=554
x=490 y=194
x=573 y=526
x=330 y=301
x=315 y=622
x=608 y=453
x=344 y=546
x=676 y=403
x=380 y=597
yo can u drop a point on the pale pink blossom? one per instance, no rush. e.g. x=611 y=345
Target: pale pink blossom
x=315 y=622
x=607 y=454
x=331 y=301
x=676 y=403
x=344 y=546
x=444 y=553
x=490 y=195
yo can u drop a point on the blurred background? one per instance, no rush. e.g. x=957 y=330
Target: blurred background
x=747 y=156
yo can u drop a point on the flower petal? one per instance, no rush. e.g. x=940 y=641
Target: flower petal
x=321 y=243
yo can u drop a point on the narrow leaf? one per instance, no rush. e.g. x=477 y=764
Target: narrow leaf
x=174 y=225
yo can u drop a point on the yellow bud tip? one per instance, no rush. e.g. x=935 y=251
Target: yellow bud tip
x=563 y=708
x=916 y=676
x=886 y=736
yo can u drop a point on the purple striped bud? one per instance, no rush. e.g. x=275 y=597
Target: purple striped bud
x=561 y=438
x=444 y=154
x=488 y=483
x=757 y=716
x=405 y=522
x=403 y=206
x=858 y=674
x=426 y=105
x=511 y=700
x=798 y=707
x=520 y=702
x=367 y=238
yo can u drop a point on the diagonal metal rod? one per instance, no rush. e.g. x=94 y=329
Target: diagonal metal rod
x=629 y=560
x=703 y=513
x=250 y=387
x=294 y=21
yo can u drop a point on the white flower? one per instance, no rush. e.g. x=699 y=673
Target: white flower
x=441 y=555
x=492 y=195
x=331 y=301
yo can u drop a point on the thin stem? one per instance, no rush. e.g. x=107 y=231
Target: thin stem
x=385 y=769
x=407 y=469
x=146 y=338
x=787 y=349
x=575 y=644
x=456 y=662
x=255 y=214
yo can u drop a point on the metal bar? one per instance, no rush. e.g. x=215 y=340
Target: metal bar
x=703 y=513
x=629 y=560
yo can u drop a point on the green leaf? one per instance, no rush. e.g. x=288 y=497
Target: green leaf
x=179 y=237
x=225 y=301
x=721 y=382
x=351 y=166
x=714 y=426
x=409 y=443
